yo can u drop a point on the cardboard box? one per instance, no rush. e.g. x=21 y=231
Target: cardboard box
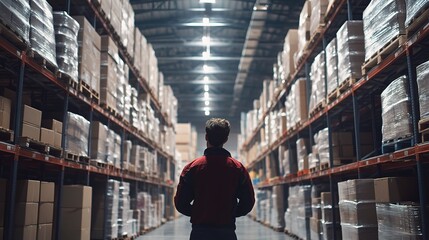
x=362 y=213
x=183 y=139
x=28 y=191
x=326 y=198
x=76 y=196
x=47 y=192
x=109 y=46
x=5 y=112
x=342 y=138
x=46 y=213
x=53 y=124
x=184 y=128
x=47 y=136
x=315 y=225
x=75 y=218
x=30 y=131
x=32 y=116
x=25 y=232
x=361 y=189
x=75 y=234
x=395 y=190
x=44 y=231
x=57 y=139
x=26 y=214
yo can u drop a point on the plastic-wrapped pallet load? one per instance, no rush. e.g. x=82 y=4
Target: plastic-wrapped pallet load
x=42 y=35
x=303 y=31
x=317 y=75
x=124 y=227
x=332 y=65
x=357 y=209
x=302 y=153
x=316 y=230
x=423 y=86
x=383 y=20
x=296 y=103
x=317 y=15
x=299 y=211
x=395 y=106
x=16 y=15
x=327 y=217
x=100 y=142
x=399 y=221
x=77 y=130
x=322 y=145
x=290 y=47
x=120 y=90
x=277 y=210
x=111 y=200
x=413 y=8
x=66 y=32
x=127 y=26
x=109 y=72
x=351 y=50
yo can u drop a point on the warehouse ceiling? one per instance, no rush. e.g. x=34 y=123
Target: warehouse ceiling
x=241 y=39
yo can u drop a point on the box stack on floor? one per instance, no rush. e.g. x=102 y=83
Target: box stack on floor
x=186 y=141
x=46 y=211
x=297 y=216
x=327 y=220
x=27 y=209
x=316 y=230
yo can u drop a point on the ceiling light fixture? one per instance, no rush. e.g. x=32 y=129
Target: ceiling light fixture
x=207 y=1
x=206 y=21
x=207 y=103
x=206 y=96
x=206 y=40
x=206 y=79
x=206 y=68
x=206 y=55
x=207 y=112
x=206 y=88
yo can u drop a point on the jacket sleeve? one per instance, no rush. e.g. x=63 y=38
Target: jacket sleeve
x=184 y=194
x=246 y=195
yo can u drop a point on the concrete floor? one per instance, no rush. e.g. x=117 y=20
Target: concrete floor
x=180 y=229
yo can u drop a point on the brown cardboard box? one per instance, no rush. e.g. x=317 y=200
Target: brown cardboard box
x=26 y=214
x=32 y=116
x=47 y=192
x=75 y=218
x=184 y=128
x=25 y=232
x=44 y=232
x=395 y=189
x=343 y=191
x=46 y=213
x=30 y=131
x=361 y=189
x=76 y=196
x=57 y=139
x=47 y=136
x=315 y=225
x=3 y=188
x=109 y=46
x=28 y=191
x=53 y=124
x=362 y=213
x=326 y=198
x=75 y=234
x=183 y=138
x=342 y=138
x=5 y=111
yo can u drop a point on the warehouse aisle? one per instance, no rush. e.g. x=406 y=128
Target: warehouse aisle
x=180 y=229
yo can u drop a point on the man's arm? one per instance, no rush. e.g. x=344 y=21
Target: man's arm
x=246 y=195
x=185 y=193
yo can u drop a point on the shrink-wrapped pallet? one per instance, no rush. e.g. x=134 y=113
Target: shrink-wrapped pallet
x=395 y=105
x=318 y=11
x=290 y=47
x=423 y=85
x=332 y=65
x=399 y=221
x=16 y=15
x=66 y=32
x=42 y=34
x=317 y=76
x=77 y=130
x=296 y=103
x=351 y=50
x=383 y=20
x=303 y=31
x=299 y=211
x=302 y=153
x=414 y=8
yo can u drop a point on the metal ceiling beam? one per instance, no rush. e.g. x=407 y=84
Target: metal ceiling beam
x=224 y=42
x=211 y=59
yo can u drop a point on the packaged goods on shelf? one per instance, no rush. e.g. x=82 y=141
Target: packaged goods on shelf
x=327 y=220
x=332 y=65
x=26 y=210
x=357 y=209
x=296 y=103
x=351 y=50
x=396 y=115
x=303 y=31
x=299 y=211
x=277 y=210
x=290 y=165
x=57 y=130
x=289 y=49
x=105 y=6
x=138 y=57
x=108 y=81
x=76 y=212
x=302 y=153
x=105 y=144
x=316 y=231
x=16 y=15
x=395 y=190
x=31 y=123
x=76 y=135
x=153 y=70
x=99 y=215
x=278 y=71
x=382 y=21
x=318 y=12
x=399 y=221
x=423 y=89
x=66 y=32
x=42 y=34
x=413 y=9
x=120 y=104
x=125 y=212
x=89 y=54
x=127 y=26
x=322 y=145
x=317 y=76
x=5 y=112
x=116 y=16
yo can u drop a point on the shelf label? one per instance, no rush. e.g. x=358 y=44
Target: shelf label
x=9 y=148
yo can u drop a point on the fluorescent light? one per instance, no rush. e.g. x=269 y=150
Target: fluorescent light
x=206 y=55
x=206 y=68
x=206 y=88
x=207 y=113
x=206 y=40
x=206 y=79
x=207 y=103
x=206 y=96
x=206 y=109
x=206 y=21
x=207 y=1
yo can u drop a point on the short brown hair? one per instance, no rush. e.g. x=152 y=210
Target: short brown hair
x=217 y=130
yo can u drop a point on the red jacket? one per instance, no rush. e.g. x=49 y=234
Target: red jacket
x=214 y=182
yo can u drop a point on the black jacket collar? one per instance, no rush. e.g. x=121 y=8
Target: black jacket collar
x=216 y=151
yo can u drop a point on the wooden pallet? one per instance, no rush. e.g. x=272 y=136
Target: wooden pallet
x=32 y=144
x=97 y=163
x=291 y=235
x=333 y=5
x=425 y=136
x=13 y=37
x=343 y=87
x=314 y=169
x=111 y=110
x=424 y=125
x=295 y=127
x=83 y=160
x=85 y=89
x=55 y=151
x=324 y=166
x=66 y=78
x=419 y=21
x=319 y=107
x=6 y=135
x=45 y=63
x=383 y=52
x=397 y=144
x=69 y=156
x=315 y=36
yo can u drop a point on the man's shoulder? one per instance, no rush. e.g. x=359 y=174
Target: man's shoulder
x=236 y=163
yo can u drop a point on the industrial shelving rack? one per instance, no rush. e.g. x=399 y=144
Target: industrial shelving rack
x=356 y=110
x=20 y=71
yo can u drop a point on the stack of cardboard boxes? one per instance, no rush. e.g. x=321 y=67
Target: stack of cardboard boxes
x=289 y=49
x=5 y=111
x=76 y=203
x=31 y=123
x=26 y=209
x=186 y=141
x=318 y=12
x=296 y=103
x=327 y=217
x=99 y=201
x=303 y=31
x=46 y=211
x=108 y=74
x=317 y=76
x=51 y=132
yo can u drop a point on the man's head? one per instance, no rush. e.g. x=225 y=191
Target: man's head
x=217 y=131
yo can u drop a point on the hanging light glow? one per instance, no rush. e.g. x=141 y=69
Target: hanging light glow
x=206 y=79
x=206 y=55
x=207 y=112
x=206 y=21
x=206 y=40
x=206 y=88
x=206 y=96
x=207 y=103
